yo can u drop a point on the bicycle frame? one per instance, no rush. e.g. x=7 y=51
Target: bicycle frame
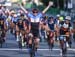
x=51 y=39
x=63 y=44
x=33 y=49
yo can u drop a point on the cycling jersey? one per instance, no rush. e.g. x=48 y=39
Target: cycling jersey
x=64 y=27
x=34 y=22
x=34 y=18
x=20 y=25
x=15 y=20
x=51 y=25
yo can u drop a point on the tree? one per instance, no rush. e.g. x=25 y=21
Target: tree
x=57 y=3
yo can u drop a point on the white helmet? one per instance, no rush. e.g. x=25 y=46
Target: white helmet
x=68 y=18
x=58 y=15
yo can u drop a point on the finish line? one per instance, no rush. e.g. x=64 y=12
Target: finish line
x=13 y=49
x=17 y=49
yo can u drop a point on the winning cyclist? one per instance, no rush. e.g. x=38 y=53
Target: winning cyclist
x=35 y=17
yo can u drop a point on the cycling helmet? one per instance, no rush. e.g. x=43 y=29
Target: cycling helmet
x=22 y=15
x=35 y=10
x=51 y=17
x=68 y=18
x=57 y=15
x=61 y=18
x=18 y=14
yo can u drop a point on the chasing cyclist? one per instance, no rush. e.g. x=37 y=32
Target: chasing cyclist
x=51 y=32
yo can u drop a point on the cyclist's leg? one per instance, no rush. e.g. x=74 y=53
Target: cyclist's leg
x=52 y=38
x=18 y=39
x=17 y=35
x=23 y=37
x=4 y=35
x=30 y=46
x=11 y=27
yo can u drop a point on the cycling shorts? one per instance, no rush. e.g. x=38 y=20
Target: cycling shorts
x=15 y=23
x=35 y=29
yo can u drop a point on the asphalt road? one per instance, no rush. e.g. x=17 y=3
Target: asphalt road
x=10 y=49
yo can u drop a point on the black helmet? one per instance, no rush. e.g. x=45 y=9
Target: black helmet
x=35 y=10
x=51 y=17
x=22 y=15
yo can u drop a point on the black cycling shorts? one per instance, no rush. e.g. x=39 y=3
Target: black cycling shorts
x=15 y=23
x=35 y=29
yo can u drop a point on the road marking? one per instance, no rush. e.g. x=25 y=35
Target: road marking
x=59 y=55
x=38 y=49
x=17 y=49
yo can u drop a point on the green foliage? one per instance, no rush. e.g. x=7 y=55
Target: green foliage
x=53 y=11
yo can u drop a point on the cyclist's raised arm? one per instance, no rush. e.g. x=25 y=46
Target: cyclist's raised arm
x=23 y=8
x=49 y=5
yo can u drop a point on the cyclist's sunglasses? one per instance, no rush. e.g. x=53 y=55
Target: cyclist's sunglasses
x=35 y=12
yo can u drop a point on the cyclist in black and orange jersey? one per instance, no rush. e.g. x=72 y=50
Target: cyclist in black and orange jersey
x=66 y=29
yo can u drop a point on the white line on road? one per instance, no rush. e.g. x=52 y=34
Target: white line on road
x=38 y=49
x=17 y=49
x=59 y=55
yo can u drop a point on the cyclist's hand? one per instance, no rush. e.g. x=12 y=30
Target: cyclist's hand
x=50 y=3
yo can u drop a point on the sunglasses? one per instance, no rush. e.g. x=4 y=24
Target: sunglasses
x=35 y=12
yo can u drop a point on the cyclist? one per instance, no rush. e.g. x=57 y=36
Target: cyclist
x=2 y=30
x=12 y=18
x=59 y=20
x=74 y=29
x=21 y=29
x=51 y=32
x=43 y=27
x=7 y=18
x=66 y=28
x=35 y=17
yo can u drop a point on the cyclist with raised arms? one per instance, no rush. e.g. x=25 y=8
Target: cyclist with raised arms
x=35 y=17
